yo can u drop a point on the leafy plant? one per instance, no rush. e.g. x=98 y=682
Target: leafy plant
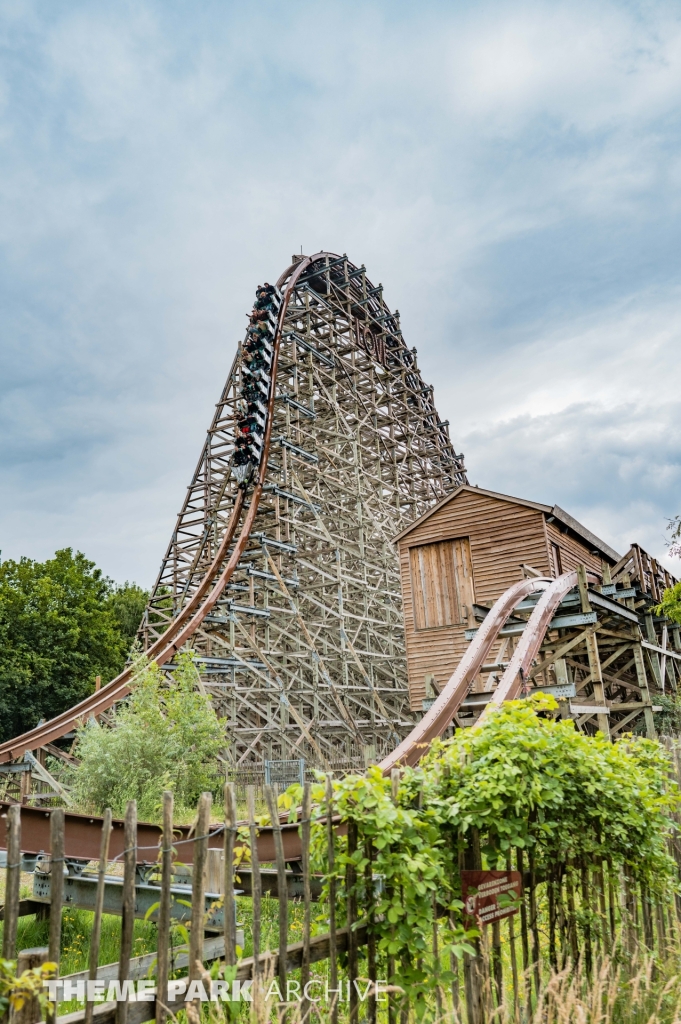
x=521 y=781
x=15 y=991
x=668 y=720
x=165 y=736
x=62 y=623
x=671 y=603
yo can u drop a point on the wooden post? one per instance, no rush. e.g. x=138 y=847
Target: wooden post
x=128 y=908
x=305 y=831
x=256 y=883
x=473 y=965
x=551 y=899
x=592 y=652
x=497 y=965
x=534 y=926
x=660 y=929
x=600 y=883
x=629 y=911
x=586 y=915
x=514 y=970
x=454 y=968
x=331 y=861
x=213 y=876
x=96 y=933
x=524 y=937
x=163 y=954
x=642 y=680
x=198 y=889
x=351 y=902
x=25 y=787
x=394 y=791
x=572 y=917
x=228 y=888
x=271 y=798
x=12 y=882
x=28 y=960
x=647 y=918
x=612 y=920
x=512 y=953
x=370 y=898
x=56 y=882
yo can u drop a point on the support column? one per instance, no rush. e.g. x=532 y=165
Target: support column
x=592 y=651
x=642 y=680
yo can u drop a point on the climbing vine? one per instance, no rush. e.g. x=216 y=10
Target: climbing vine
x=522 y=781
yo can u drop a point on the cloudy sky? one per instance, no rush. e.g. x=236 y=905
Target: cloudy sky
x=510 y=171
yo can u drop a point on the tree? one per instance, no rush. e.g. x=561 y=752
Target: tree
x=671 y=599
x=166 y=736
x=674 y=529
x=62 y=623
x=671 y=603
x=127 y=602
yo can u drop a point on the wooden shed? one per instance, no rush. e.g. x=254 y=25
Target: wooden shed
x=467 y=550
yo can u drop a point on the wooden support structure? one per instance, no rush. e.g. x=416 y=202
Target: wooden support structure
x=303 y=656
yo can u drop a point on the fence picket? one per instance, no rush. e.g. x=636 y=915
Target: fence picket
x=271 y=799
x=305 y=826
x=56 y=894
x=370 y=900
x=512 y=955
x=256 y=881
x=394 y=791
x=96 y=933
x=163 y=954
x=351 y=905
x=128 y=907
x=230 y=836
x=12 y=882
x=198 y=896
x=199 y=884
x=331 y=861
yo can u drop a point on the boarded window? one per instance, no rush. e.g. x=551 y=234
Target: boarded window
x=557 y=560
x=442 y=583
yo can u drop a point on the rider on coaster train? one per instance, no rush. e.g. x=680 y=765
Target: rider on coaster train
x=250 y=407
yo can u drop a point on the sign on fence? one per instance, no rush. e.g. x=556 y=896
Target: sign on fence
x=490 y=895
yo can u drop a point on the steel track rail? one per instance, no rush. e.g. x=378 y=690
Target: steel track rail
x=440 y=716
x=519 y=666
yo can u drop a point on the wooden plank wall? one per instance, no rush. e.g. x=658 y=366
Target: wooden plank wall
x=503 y=536
x=572 y=552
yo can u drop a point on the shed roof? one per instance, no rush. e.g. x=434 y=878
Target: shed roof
x=548 y=510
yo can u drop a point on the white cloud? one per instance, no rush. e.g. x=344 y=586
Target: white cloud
x=508 y=171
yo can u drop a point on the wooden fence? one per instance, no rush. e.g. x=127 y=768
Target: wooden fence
x=580 y=913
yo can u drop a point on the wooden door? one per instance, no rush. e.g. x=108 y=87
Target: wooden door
x=442 y=583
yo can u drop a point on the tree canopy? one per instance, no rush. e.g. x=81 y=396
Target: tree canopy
x=62 y=624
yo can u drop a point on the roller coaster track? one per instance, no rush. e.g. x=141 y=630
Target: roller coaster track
x=327 y=308
x=82 y=831
x=339 y=305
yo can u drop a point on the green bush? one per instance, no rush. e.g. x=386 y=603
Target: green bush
x=520 y=782
x=671 y=603
x=165 y=736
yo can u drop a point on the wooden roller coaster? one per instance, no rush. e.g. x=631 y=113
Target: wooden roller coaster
x=283 y=577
